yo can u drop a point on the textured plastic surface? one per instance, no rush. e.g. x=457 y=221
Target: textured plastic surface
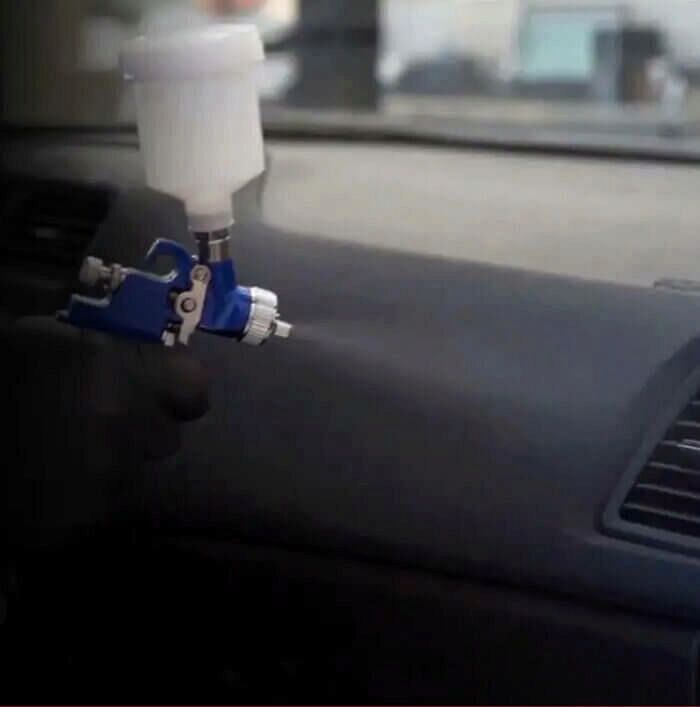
x=490 y=455
x=512 y=433
x=198 y=116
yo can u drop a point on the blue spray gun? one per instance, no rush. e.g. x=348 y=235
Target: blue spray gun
x=201 y=140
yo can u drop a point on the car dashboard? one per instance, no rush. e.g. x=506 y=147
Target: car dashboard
x=469 y=476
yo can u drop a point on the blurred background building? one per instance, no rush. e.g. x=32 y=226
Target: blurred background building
x=607 y=63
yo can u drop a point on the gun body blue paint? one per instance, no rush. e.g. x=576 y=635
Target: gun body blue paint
x=227 y=305
x=142 y=305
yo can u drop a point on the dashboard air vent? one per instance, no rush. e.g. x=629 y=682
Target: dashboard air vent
x=666 y=494
x=49 y=222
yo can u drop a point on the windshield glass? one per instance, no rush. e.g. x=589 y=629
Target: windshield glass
x=620 y=68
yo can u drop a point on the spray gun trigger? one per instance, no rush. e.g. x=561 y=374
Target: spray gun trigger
x=189 y=304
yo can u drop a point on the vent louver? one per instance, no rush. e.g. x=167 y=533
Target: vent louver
x=666 y=494
x=49 y=222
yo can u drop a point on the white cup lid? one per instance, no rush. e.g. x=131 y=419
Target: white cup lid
x=218 y=49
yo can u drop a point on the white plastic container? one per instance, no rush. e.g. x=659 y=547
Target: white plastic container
x=198 y=116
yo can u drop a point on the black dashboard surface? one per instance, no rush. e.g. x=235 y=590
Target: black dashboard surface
x=463 y=418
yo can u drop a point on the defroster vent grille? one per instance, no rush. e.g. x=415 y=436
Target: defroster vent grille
x=666 y=494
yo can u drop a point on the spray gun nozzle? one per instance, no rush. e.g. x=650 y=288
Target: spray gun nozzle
x=282 y=329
